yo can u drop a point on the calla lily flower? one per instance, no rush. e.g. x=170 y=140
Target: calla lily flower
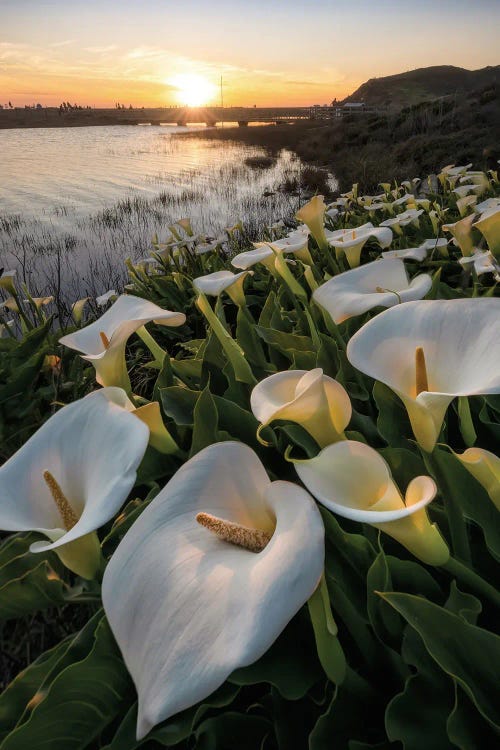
x=71 y=477
x=465 y=203
x=416 y=253
x=103 y=300
x=351 y=241
x=381 y=283
x=313 y=215
x=103 y=342
x=462 y=234
x=208 y=576
x=430 y=352
x=310 y=398
x=219 y=281
x=249 y=258
x=485 y=467
x=483 y=262
x=489 y=226
x=488 y=205
x=150 y=414
x=411 y=216
x=353 y=480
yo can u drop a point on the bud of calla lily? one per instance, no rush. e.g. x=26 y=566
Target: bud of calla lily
x=313 y=215
x=354 y=481
x=71 y=477
x=489 y=226
x=430 y=352
x=208 y=577
x=315 y=401
x=485 y=467
x=381 y=283
x=103 y=342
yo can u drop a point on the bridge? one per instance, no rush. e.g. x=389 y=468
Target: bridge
x=243 y=116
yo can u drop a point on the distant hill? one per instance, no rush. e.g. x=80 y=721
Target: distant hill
x=415 y=86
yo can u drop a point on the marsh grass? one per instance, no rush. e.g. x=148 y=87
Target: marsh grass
x=69 y=256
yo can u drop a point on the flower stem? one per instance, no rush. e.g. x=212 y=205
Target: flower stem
x=155 y=349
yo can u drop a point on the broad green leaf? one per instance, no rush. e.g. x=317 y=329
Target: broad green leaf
x=465 y=605
x=392 y=422
x=205 y=423
x=290 y=664
x=79 y=703
x=463 y=651
x=467 y=729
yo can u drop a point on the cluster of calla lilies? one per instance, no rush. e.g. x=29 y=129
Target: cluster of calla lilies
x=223 y=557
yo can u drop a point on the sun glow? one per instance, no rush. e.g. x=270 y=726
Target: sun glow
x=193 y=90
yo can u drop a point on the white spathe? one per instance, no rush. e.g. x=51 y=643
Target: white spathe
x=417 y=253
x=459 y=339
x=123 y=318
x=187 y=608
x=381 y=283
x=483 y=262
x=92 y=448
x=354 y=481
x=351 y=241
x=217 y=282
x=313 y=216
x=310 y=398
x=462 y=233
x=489 y=226
x=249 y=258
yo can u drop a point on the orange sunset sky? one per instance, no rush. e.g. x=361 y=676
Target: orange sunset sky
x=268 y=52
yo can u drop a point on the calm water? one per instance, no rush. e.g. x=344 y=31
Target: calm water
x=75 y=201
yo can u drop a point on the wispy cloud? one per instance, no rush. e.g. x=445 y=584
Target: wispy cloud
x=65 y=43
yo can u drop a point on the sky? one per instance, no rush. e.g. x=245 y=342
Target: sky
x=267 y=52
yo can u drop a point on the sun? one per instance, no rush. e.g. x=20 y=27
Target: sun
x=193 y=90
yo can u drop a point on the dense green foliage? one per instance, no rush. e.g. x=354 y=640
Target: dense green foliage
x=419 y=640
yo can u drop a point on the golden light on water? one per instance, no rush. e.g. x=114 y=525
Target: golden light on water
x=193 y=90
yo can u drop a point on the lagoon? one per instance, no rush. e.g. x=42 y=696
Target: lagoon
x=74 y=202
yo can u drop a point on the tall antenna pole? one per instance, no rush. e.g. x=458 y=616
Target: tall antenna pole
x=222 y=101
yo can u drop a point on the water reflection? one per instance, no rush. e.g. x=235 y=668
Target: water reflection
x=75 y=201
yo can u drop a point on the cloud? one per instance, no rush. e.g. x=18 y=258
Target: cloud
x=101 y=50
x=65 y=43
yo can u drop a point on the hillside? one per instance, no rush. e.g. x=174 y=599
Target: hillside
x=415 y=86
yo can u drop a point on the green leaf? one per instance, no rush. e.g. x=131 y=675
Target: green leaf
x=205 y=423
x=464 y=605
x=29 y=582
x=329 y=650
x=289 y=665
x=467 y=729
x=81 y=701
x=392 y=422
x=465 y=652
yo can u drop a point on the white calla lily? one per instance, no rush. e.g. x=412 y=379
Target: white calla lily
x=103 y=299
x=485 y=468
x=488 y=205
x=483 y=262
x=263 y=254
x=315 y=401
x=354 y=481
x=381 y=283
x=462 y=234
x=222 y=281
x=489 y=226
x=417 y=253
x=351 y=241
x=430 y=352
x=312 y=214
x=150 y=414
x=103 y=342
x=71 y=477
x=186 y=597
